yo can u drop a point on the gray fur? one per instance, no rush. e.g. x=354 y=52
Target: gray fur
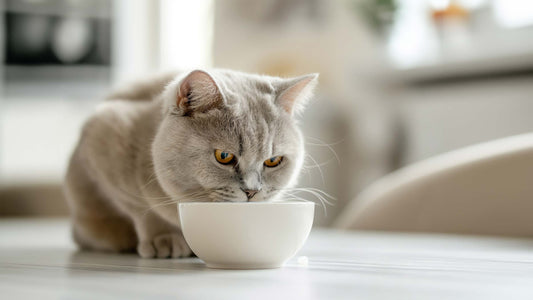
x=136 y=159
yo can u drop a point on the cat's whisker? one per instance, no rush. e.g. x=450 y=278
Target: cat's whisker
x=317 y=193
x=314 y=190
x=322 y=143
x=319 y=168
x=150 y=179
x=329 y=146
x=191 y=197
x=152 y=207
x=153 y=176
x=320 y=195
x=295 y=197
x=318 y=165
x=306 y=170
x=168 y=198
x=306 y=200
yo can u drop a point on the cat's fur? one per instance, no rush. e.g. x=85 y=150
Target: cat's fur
x=153 y=144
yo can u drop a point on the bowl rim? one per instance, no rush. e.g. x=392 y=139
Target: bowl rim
x=285 y=202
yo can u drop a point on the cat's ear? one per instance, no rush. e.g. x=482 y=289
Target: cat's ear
x=293 y=93
x=198 y=93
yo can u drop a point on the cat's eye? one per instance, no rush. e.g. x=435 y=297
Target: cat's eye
x=273 y=161
x=224 y=157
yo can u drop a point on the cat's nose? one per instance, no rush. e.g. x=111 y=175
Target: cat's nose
x=250 y=193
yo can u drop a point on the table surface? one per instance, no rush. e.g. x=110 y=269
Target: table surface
x=38 y=260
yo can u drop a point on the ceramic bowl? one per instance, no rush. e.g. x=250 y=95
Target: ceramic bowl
x=246 y=235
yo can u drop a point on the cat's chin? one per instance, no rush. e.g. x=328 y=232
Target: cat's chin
x=258 y=198
x=223 y=200
x=251 y=200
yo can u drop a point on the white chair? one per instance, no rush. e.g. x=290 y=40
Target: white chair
x=482 y=189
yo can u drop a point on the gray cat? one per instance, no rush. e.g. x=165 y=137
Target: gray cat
x=200 y=136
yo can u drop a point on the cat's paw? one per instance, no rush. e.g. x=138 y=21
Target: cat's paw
x=164 y=246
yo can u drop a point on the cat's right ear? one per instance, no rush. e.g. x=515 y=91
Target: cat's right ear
x=293 y=93
x=198 y=93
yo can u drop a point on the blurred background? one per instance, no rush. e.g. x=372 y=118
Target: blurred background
x=400 y=80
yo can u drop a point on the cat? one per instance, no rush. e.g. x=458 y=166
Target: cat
x=216 y=135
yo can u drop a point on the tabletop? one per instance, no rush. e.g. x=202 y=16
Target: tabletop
x=38 y=260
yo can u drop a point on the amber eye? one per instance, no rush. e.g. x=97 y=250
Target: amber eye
x=273 y=161
x=224 y=157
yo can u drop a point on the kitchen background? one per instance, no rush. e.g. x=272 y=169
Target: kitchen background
x=400 y=81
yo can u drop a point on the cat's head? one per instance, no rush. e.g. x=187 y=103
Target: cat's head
x=230 y=136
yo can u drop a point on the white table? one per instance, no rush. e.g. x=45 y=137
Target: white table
x=38 y=261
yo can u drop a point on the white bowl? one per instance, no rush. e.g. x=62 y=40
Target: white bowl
x=246 y=235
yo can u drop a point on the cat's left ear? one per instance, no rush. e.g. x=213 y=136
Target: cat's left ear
x=198 y=93
x=293 y=93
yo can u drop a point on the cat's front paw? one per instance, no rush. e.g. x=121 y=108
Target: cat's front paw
x=164 y=246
